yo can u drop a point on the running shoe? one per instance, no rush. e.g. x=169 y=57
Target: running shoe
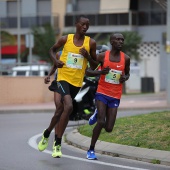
x=91 y=155
x=42 y=145
x=56 y=151
x=87 y=111
x=93 y=118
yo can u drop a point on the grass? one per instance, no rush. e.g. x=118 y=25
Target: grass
x=147 y=131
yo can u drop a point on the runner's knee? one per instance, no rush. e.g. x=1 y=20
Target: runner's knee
x=101 y=123
x=57 y=115
x=68 y=108
x=108 y=129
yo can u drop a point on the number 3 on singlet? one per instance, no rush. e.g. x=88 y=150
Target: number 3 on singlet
x=74 y=60
x=113 y=76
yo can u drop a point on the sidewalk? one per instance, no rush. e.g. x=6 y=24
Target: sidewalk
x=128 y=102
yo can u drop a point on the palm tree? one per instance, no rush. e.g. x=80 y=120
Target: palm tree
x=131 y=44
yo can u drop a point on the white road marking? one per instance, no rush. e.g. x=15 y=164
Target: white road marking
x=33 y=144
x=155 y=102
x=131 y=101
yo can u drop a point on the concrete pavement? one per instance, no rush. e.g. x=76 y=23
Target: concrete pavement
x=128 y=102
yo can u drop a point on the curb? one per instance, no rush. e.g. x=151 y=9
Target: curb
x=116 y=150
x=34 y=110
x=27 y=111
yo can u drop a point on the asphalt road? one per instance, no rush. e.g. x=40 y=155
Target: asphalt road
x=20 y=134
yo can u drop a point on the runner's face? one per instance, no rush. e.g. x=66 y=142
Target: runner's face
x=118 y=41
x=82 y=26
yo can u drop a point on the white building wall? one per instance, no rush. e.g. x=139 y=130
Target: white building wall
x=3 y=9
x=155 y=34
x=150 y=62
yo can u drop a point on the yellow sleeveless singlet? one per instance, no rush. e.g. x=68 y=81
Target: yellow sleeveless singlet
x=75 y=64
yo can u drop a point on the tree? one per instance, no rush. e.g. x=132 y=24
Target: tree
x=131 y=44
x=44 y=38
x=7 y=38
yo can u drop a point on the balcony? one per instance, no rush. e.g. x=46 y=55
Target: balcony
x=132 y=18
x=29 y=21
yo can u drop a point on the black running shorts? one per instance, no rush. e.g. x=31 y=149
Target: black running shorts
x=65 y=88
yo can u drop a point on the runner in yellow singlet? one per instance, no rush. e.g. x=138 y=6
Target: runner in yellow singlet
x=77 y=51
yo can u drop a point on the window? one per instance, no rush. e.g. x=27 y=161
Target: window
x=124 y=19
x=12 y=8
x=102 y=19
x=113 y=19
x=21 y=73
x=143 y=18
x=87 y=6
x=35 y=73
x=44 y=7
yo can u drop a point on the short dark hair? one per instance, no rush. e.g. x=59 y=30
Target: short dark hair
x=80 y=16
x=113 y=35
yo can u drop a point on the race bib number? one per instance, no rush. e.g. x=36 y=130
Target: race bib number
x=113 y=76
x=74 y=60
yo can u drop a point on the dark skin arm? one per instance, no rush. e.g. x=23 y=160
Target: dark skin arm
x=56 y=47
x=126 y=76
x=82 y=51
x=52 y=71
x=100 y=60
x=92 y=57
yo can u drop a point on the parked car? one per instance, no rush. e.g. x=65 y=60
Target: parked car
x=34 y=70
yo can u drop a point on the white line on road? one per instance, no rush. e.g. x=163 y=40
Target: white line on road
x=131 y=101
x=33 y=144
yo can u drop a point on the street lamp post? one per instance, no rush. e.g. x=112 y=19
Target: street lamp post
x=168 y=51
x=18 y=30
x=0 y=42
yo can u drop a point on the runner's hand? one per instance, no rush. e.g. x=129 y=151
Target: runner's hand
x=47 y=79
x=122 y=79
x=84 y=53
x=105 y=70
x=59 y=63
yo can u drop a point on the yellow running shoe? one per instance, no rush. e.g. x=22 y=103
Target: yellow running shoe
x=56 y=151
x=42 y=145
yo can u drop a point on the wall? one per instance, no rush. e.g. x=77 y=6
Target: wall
x=59 y=7
x=18 y=90
x=114 y=6
x=156 y=66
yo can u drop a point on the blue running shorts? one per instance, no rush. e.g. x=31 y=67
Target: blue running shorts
x=109 y=101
